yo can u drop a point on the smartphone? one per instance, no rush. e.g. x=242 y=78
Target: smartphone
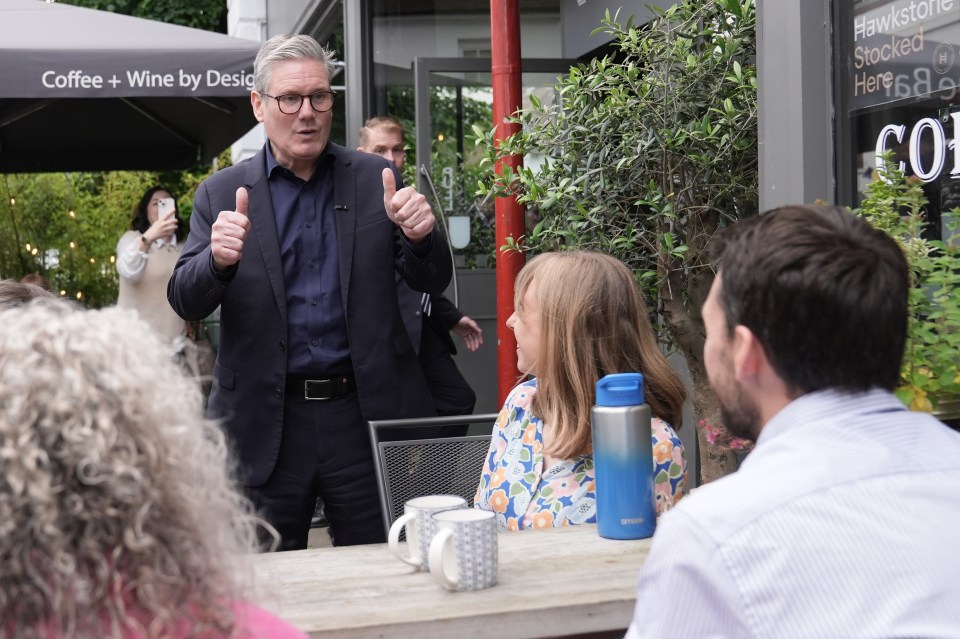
x=165 y=207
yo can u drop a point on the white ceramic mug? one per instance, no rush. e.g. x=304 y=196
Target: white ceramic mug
x=463 y=553
x=420 y=527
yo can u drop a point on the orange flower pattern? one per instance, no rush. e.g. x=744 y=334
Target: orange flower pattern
x=515 y=485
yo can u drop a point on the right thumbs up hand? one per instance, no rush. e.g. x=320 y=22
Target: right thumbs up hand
x=229 y=233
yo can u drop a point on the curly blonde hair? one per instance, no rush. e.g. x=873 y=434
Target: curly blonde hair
x=118 y=514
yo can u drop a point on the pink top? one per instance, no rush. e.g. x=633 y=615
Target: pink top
x=256 y=623
x=252 y=622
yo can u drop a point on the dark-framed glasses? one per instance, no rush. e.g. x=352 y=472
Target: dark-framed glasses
x=290 y=103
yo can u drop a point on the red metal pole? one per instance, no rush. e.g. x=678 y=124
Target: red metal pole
x=506 y=69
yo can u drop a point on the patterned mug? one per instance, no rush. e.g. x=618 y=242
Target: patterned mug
x=420 y=527
x=463 y=553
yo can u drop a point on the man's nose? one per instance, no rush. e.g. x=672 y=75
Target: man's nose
x=306 y=109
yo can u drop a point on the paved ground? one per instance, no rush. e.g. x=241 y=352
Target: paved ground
x=318 y=538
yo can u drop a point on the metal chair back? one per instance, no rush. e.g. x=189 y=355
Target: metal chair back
x=420 y=456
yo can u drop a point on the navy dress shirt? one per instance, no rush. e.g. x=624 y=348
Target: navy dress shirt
x=306 y=226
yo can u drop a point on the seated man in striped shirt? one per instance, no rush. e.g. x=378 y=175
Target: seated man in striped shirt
x=843 y=521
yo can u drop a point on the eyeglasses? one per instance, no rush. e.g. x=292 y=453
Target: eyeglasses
x=291 y=102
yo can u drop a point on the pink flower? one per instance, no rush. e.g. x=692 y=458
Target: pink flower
x=720 y=437
x=678 y=456
x=563 y=488
x=523 y=399
x=664 y=496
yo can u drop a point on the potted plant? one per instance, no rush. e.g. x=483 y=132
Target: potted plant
x=930 y=377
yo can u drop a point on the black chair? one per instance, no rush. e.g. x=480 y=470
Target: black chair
x=427 y=456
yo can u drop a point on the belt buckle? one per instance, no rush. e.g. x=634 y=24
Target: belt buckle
x=307 y=382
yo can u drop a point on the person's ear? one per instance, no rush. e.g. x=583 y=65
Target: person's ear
x=749 y=358
x=257 y=103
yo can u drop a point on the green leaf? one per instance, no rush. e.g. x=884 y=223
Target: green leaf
x=668 y=241
x=649 y=152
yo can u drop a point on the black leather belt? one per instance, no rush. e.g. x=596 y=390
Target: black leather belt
x=320 y=388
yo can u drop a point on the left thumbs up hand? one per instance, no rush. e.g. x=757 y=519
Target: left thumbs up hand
x=407 y=208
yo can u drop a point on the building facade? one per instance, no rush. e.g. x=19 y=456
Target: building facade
x=840 y=81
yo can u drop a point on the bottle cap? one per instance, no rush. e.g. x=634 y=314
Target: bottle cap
x=620 y=389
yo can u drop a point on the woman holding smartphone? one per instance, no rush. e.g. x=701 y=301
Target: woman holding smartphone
x=146 y=255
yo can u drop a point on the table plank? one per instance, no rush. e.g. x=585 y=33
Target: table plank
x=555 y=582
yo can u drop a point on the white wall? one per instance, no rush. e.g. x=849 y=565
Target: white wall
x=247 y=19
x=398 y=41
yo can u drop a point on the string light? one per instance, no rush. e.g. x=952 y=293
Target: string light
x=440 y=138
x=34 y=250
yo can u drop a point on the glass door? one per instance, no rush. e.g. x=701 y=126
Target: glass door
x=451 y=96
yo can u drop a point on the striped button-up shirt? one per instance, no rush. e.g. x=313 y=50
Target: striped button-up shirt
x=843 y=522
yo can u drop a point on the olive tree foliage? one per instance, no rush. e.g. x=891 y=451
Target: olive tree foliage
x=646 y=153
x=209 y=15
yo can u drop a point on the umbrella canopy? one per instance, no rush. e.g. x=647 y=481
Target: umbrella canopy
x=87 y=90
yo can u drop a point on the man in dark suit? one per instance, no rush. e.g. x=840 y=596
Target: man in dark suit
x=428 y=318
x=299 y=246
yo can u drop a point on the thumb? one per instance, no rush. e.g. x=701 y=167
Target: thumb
x=242 y=200
x=389 y=185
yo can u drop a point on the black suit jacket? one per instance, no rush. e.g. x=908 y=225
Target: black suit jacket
x=251 y=368
x=443 y=316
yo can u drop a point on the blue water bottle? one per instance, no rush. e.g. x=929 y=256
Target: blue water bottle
x=623 y=458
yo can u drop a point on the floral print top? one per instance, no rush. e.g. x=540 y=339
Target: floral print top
x=523 y=494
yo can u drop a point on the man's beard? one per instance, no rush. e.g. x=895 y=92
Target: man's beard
x=739 y=416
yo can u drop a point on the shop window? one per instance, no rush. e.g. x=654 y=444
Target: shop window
x=899 y=91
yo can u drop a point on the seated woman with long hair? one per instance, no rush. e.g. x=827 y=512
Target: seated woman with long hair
x=579 y=316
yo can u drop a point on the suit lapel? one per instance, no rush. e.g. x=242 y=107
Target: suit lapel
x=263 y=221
x=345 y=200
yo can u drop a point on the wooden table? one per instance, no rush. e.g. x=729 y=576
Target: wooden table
x=551 y=583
